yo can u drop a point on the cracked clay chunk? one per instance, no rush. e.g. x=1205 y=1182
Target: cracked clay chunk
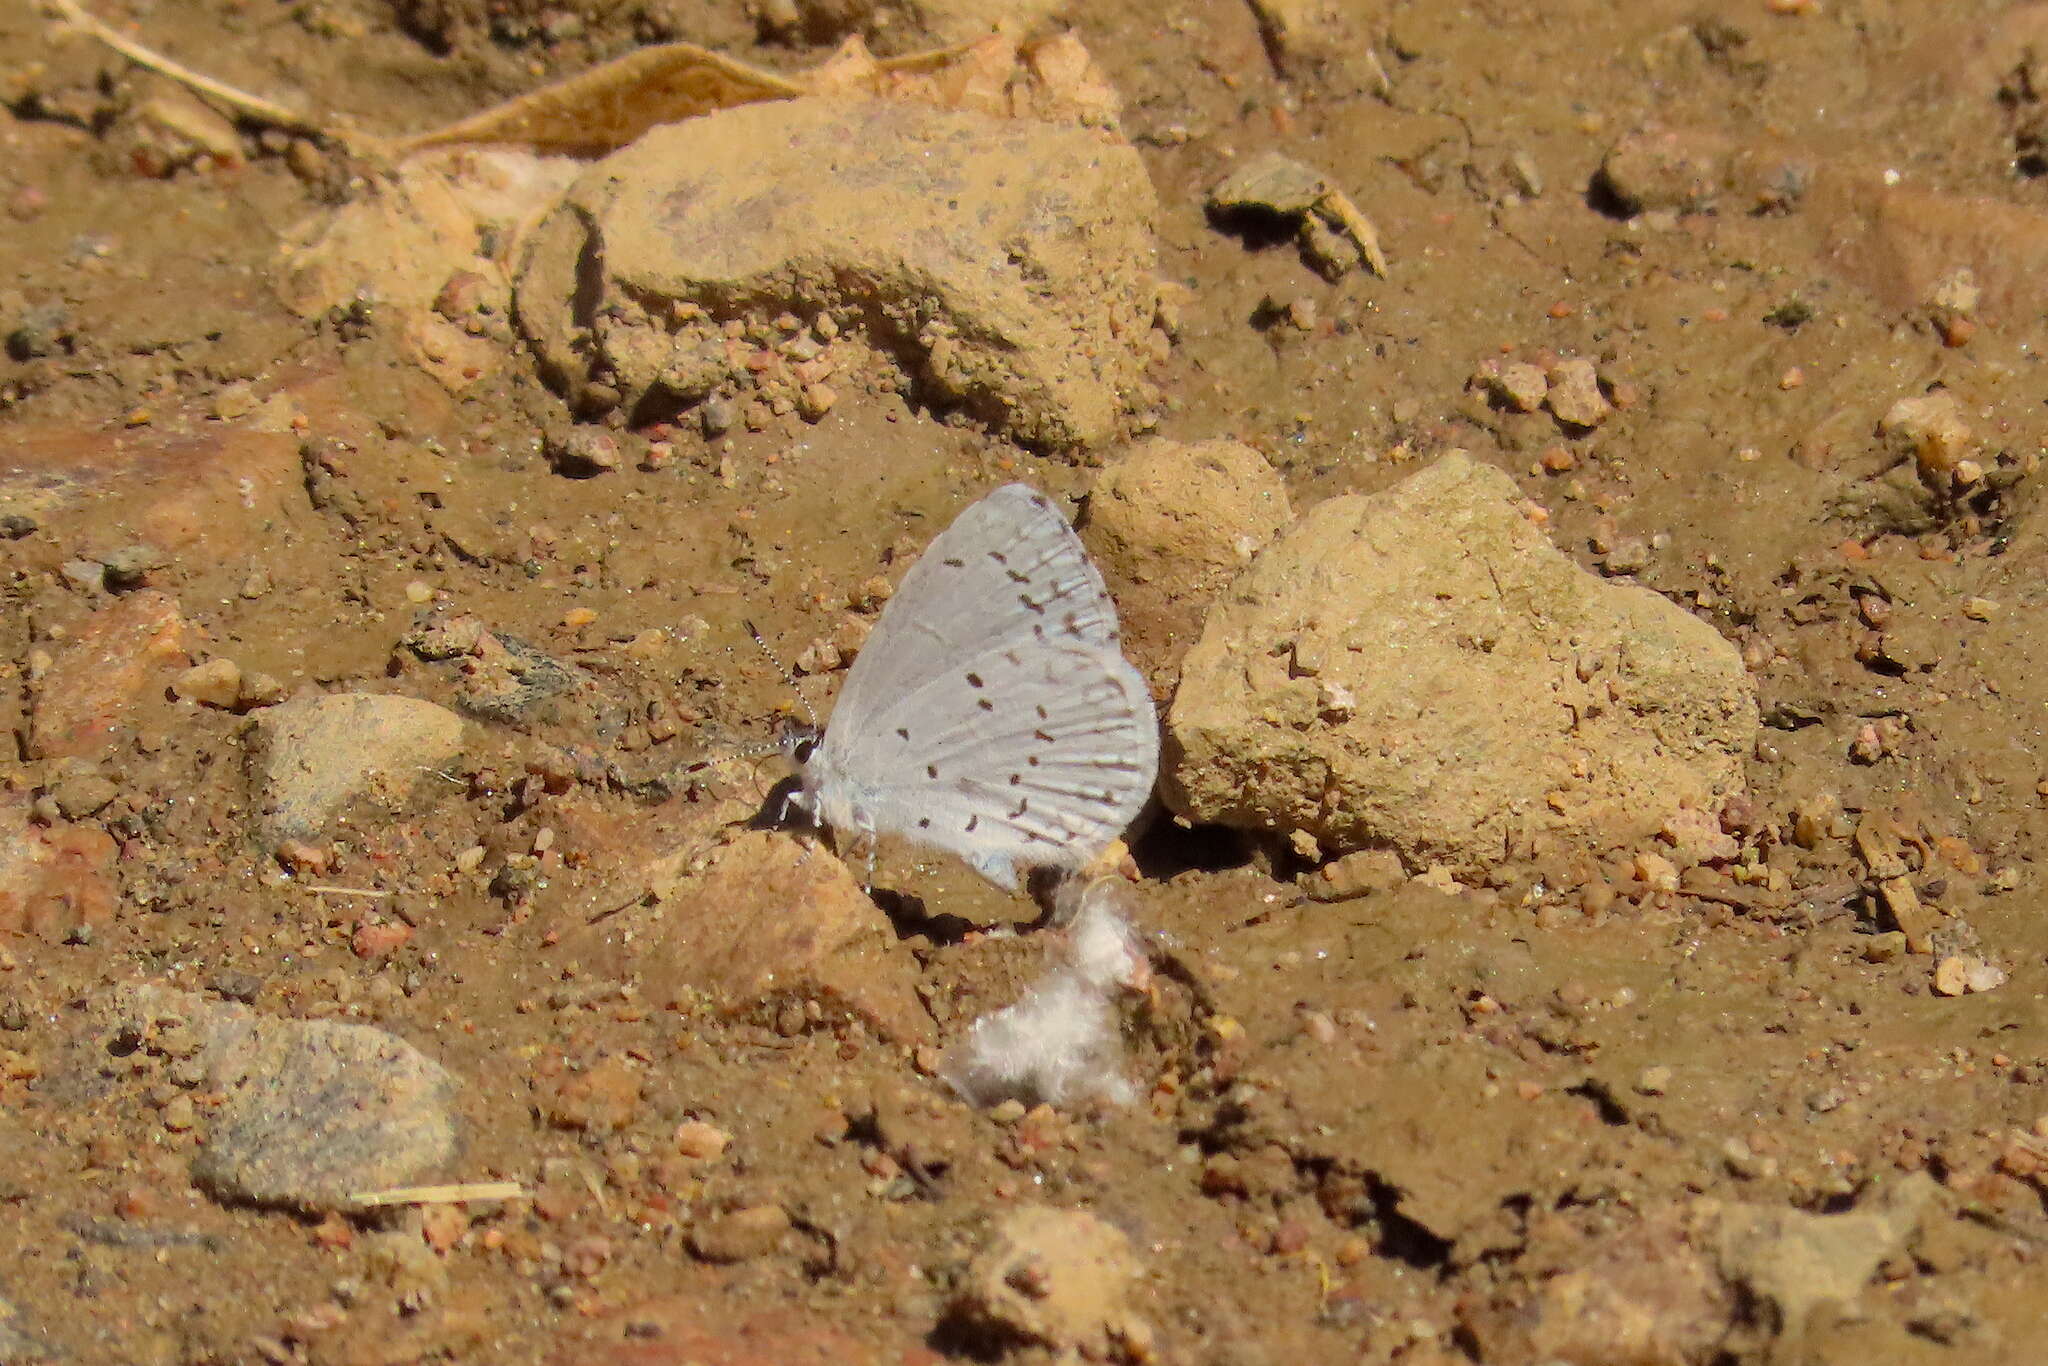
x=1004 y=264
x=1422 y=670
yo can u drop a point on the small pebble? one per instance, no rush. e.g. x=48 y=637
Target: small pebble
x=1656 y=872
x=740 y=1236
x=259 y=690
x=85 y=576
x=1964 y=975
x=1631 y=555
x=717 y=414
x=82 y=795
x=1574 y=395
x=216 y=683
x=584 y=452
x=180 y=1114
x=131 y=565
x=816 y=400
x=695 y=1138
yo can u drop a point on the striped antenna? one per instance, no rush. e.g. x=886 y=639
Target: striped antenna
x=796 y=685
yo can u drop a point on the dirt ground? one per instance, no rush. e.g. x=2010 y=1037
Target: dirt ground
x=1575 y=1114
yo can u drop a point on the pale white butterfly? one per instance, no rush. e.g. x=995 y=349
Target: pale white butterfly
x=991 y=712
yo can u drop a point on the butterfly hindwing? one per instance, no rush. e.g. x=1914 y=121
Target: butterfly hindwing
x=1025 y=757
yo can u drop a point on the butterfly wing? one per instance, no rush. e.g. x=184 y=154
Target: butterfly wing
x=1026 y=756
x=1008 y=571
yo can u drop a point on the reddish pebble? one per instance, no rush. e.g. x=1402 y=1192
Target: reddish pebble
x=28 y=202
x=442 y=1226
x=375 y=939
x=301 y=857
x=1291 y=1237
x=1957 y=331
x=334 y=1234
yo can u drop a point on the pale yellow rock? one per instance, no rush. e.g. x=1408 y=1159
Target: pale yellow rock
x=1005 y=265
x=1497 y=694
x=216 y=683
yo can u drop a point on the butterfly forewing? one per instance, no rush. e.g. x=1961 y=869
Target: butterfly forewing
x=991 y=712
x=1034 y=756
x=1008 y=571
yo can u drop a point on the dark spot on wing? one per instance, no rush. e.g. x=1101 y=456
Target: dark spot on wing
x=984 y=704
x=954 y=563
x=972 y=821
x=1029 y=605
x=902 y=733
x=999 y=557
x=924 y=822
x=974 y=680
x=931 y=770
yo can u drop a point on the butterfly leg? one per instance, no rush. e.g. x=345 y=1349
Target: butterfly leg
x=865 y=837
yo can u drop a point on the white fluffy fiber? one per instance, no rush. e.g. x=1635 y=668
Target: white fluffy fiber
x=1060 y=1044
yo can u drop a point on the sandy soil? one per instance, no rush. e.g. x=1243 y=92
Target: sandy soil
x=1574 y=1114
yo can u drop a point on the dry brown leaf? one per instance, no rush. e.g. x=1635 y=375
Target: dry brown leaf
x=608 y=106
x=602 y=109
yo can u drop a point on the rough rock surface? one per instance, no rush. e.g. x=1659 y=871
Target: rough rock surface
x=1006 y=264
x=1170 y=525
x=83 y=697
x=315 y=754
x=54 y=881
x=1789 y=1263
x=219 y=492
x=1423 y=670
x=1054 y=1277
x=313 y=1112
x=759 y=921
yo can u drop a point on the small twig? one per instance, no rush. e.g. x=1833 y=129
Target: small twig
x=255 y=106
x=456 y=1194
x=343 y=891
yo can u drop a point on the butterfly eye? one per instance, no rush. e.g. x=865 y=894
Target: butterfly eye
x=799 y=745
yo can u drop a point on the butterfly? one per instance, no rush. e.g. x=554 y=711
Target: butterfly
x=991 y=713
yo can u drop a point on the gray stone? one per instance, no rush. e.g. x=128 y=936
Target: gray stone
x=314 y=1112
